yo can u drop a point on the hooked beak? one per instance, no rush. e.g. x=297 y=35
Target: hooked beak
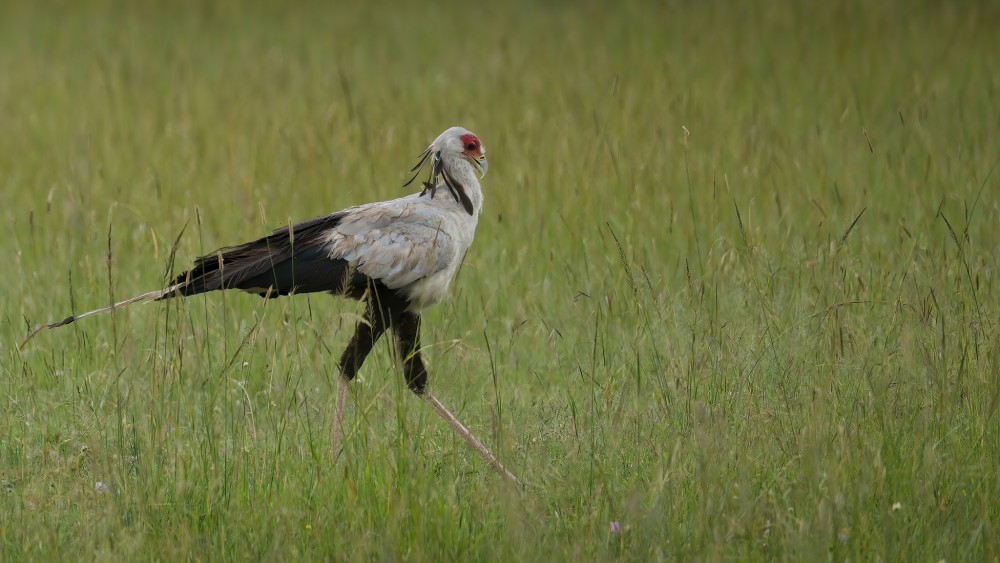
x=480 y=164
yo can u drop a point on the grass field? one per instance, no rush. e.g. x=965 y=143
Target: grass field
x=735 y=286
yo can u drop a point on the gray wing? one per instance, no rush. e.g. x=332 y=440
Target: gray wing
x=396 y=242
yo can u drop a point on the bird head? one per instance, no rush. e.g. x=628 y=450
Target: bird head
x=456 y=145
x=461 y=143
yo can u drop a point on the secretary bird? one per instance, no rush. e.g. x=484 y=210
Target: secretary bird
x=397 y=256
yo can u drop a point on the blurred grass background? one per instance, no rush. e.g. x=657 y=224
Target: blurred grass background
x=734 y=286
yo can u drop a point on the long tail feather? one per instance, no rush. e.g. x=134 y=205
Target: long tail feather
x=290 y=259
x=148 y=296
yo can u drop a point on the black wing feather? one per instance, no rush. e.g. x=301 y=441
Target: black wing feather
x=289 y=260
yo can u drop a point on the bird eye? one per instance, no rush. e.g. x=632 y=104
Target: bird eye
x=470 y=147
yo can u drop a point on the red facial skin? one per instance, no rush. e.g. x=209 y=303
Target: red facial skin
x=472 y=147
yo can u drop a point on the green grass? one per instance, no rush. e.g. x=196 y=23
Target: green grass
x=734 y=287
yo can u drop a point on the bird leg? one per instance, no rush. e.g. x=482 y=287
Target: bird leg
x=338 y=417
x=472 y=441
x=406 y=329
x=365 y=336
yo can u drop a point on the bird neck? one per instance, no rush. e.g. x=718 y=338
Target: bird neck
x=463 y=176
